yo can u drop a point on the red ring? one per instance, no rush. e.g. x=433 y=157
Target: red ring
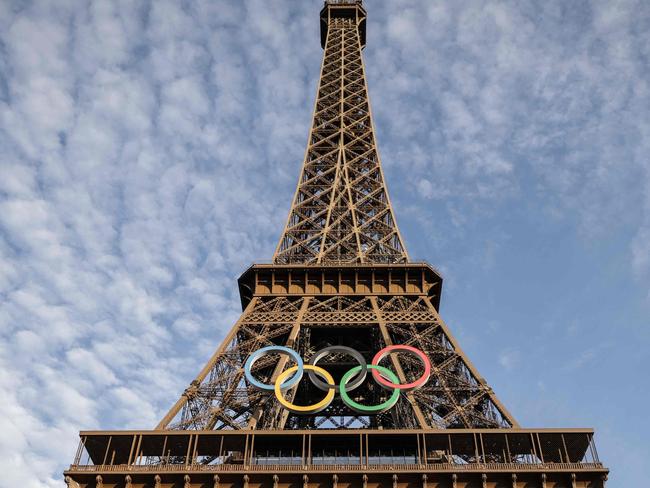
x=408 y=386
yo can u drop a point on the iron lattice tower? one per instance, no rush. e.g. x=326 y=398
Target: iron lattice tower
x=340 y=276
x=340 y=229
x=341 y=212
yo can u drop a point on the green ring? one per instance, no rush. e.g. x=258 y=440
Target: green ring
x=357 y=407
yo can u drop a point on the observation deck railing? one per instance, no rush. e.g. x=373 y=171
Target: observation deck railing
x=443 y=467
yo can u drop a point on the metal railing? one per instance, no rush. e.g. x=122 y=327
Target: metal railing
x=445 y=467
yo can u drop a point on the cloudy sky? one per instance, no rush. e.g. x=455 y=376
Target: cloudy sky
x=150 y=150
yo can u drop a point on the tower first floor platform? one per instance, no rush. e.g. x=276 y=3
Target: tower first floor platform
x=452 y=458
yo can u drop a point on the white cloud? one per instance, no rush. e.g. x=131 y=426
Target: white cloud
x=509 y=358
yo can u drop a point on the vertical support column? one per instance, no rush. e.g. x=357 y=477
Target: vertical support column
x=361 y=449
x=133 y=443
x=539 y=447
x=189 y=450
x=534 y=452
x=247 y=437
x=451 y=453
x=157 y=481
x=566 y=451
x=476 y=454
x=221 y=446
x=108 y=448
x=216 y=480
x=164 y=448
x=195 y=449
x=251 y=451
x=309 y=453
x=137 y=455
x=480 y=437
x=425 y=460
x=367 y=448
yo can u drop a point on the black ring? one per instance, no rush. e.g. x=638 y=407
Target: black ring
x=355 y=383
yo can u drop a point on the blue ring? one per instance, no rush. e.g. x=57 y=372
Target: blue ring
x=297 y=376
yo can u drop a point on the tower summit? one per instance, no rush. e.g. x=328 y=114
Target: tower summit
x=341 y=212
x=340 y=369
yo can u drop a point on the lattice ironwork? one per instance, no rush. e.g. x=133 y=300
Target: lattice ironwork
x=455 y=396
x=341 y=212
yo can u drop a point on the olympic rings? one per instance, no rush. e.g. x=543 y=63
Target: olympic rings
x=358 y=381
x=395 y=384
x=316 y=407
x=357 y=407
x=282 y=350
x=351 y=379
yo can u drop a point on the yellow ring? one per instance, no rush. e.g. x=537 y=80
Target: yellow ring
x=316 y=407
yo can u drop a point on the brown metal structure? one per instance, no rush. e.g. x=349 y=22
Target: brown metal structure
x=341 y=212
x=340 y=276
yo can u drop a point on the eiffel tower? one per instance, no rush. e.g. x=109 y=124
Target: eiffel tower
x=340 y=290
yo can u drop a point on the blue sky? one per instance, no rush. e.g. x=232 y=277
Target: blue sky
x=150 y=151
